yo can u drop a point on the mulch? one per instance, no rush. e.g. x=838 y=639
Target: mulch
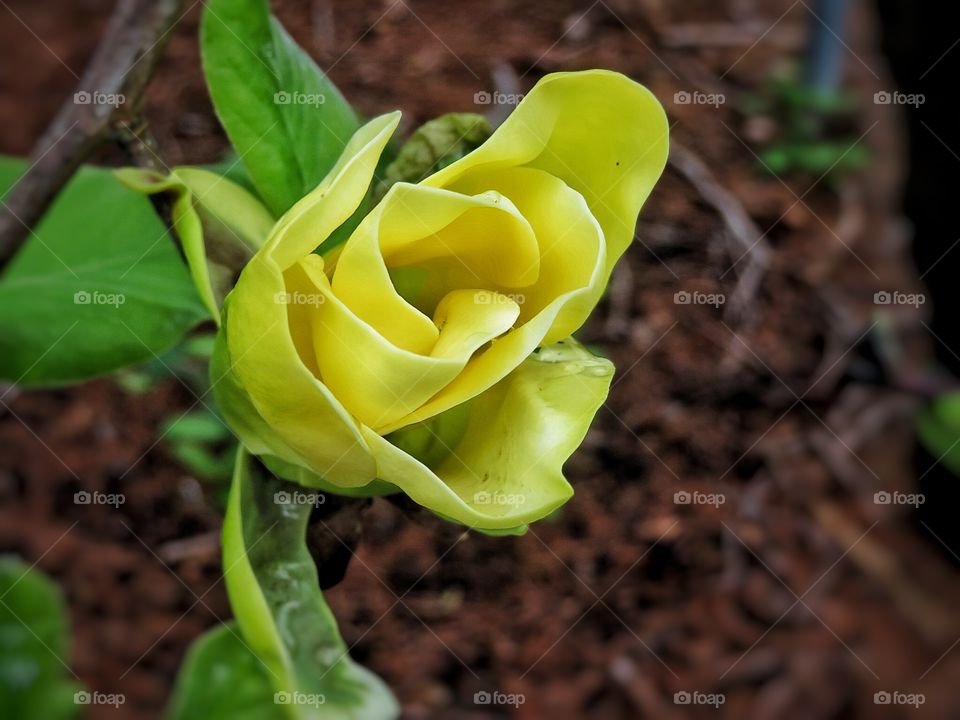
x=797 y=597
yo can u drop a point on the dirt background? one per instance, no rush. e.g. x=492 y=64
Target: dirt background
x=798 y=597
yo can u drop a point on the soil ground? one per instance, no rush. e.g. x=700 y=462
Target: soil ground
x=797 y=597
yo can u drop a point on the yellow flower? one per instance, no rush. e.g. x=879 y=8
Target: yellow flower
x=432 y=351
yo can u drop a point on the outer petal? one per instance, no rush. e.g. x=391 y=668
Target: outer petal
x=242 y=417
x=284 y=391
x=264 y=359
x=311 y=220
x=599 y=131
x=504 y=469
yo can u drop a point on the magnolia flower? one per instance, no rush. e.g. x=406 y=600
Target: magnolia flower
x=431 y=351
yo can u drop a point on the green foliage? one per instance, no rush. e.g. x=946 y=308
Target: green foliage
x=938 y=426
x=97 y=286
x=187 y=361
x=815 y=129
x=221 y=679
x=285 y=119
x=34 y=680
x=199 y=439
x=274 y=591
x=202 y=443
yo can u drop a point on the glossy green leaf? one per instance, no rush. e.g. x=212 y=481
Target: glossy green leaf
x=34 y=679
x=98 y=286
x=221 y=679
x=273 y=588
x=285 y=118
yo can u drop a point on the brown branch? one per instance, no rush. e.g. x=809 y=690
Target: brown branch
x=119 y=70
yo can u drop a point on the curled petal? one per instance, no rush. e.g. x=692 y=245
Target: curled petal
x=500 y=466
x=600 y=132
x=569 y=279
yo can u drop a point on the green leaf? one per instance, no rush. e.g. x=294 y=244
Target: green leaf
x=938 y=426
x=285 y=118
x=273 y=589
x=198 y=426
x=34 y=680
x=98 y=285
x=221 y=679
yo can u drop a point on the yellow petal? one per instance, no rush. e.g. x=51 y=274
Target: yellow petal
x=570 y=274
x=468 y=319
x=281 y=388
x=503 y=466
x=265 y=359
x=600 y=132
x=311 y=220
x=379 y=382
x=484 y=233
x=483 y=238
x=572 y=252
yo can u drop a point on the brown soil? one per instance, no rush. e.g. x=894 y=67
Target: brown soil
x=796 y=598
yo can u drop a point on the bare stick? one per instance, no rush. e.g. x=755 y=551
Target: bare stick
x=749 y=241
x=118 y=73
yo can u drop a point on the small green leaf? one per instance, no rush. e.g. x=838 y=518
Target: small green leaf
x=97 y=286
x=284 y=117
x=273 y=589
x=34 y=681
x=221 y=679
x=938 y=426
x=198 y=426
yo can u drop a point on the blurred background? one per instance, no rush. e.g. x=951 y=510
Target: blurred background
x=754 y=513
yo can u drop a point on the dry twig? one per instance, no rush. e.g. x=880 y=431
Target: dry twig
x=121 y=67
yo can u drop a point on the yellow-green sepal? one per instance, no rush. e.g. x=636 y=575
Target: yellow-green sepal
x=219 y=223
